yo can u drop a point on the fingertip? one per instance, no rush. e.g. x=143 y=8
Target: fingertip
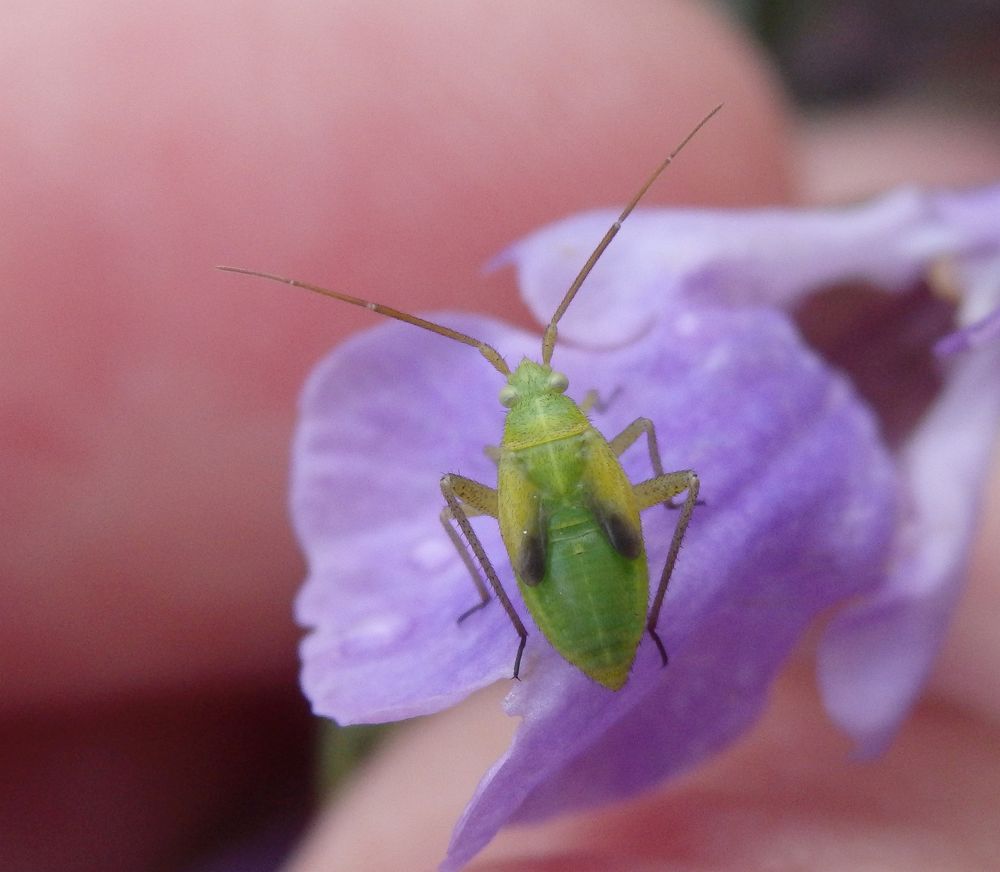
x=469 y=143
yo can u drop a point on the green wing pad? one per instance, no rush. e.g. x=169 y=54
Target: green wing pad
x=610 y=497
x=522 y=525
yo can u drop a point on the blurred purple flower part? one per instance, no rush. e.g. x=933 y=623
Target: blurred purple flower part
x=973 y=278
x=686 y=320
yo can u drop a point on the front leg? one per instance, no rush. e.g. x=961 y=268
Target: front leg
x=481 y=500
x=627 y=437
x=592 y=400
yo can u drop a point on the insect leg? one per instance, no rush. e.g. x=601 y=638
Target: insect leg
x=483 y=500
x=476 y=499
x=446 y=517
x=632 y=432
x=661 y=490
x=592 y=400
x=627 y=437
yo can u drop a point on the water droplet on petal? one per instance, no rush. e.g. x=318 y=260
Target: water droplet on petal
x=433 y=554
x=375 y=634
x=687 y=324
x=718 y=358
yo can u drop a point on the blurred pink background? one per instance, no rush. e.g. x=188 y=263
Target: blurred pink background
x=149 y=711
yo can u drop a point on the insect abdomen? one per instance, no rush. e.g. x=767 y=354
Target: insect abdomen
x=591 y=604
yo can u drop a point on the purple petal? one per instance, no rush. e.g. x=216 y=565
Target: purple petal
x=770 y=256
x=877 y=654
x=884 y=644
x=805 y=506
x=979 y=333
x=974 y=280
x=799 y=515
x=382 y=418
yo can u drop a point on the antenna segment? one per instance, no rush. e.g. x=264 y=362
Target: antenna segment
x=549 y=337
x=487 y=351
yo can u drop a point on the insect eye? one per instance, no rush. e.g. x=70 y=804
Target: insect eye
x=558 y=382
x=508 y=396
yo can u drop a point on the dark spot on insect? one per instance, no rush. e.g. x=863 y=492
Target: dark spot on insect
x=531 y=559
x=625 y=538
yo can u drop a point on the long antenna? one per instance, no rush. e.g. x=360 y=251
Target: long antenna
x=487 y=351
x=549 y=337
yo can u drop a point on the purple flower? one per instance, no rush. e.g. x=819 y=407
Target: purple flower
x=821 y=489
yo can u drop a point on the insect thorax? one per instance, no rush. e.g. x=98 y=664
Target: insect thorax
x=538 y=410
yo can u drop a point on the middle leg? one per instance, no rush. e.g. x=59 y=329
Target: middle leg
x=482 y=500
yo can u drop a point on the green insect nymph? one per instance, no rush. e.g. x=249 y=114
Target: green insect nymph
x=568 y=514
